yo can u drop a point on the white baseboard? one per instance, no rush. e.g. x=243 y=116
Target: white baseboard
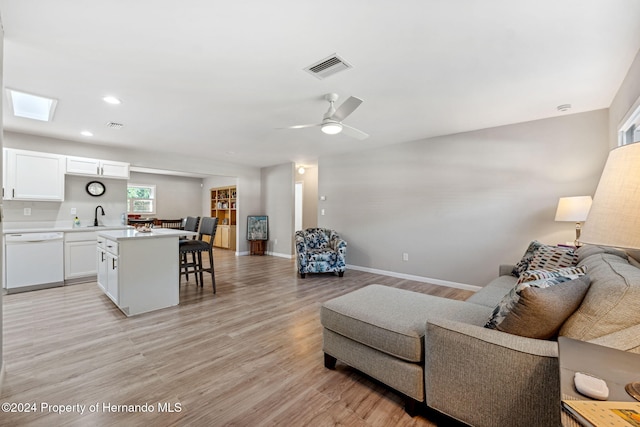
x=438 y=282
x=288 y=256
x=243 y=253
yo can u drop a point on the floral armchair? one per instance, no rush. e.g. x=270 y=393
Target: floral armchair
x=320 y=250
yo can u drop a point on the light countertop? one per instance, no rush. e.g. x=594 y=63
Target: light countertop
x=131 y=233
x=10 y=229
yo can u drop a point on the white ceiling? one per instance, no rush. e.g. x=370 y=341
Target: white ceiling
x=218 y=78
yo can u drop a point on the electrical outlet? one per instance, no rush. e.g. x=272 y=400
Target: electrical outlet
x=73 y=211
x=275 y=242
x=321 y=211
x=405 y=256
x=27 y=211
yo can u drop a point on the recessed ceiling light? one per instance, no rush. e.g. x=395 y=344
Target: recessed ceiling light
x=112 y=100
x=86 y=133
x=564 y=107
x=31 y=106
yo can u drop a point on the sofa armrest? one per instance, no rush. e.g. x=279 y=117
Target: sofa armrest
x=338 y=245
x=485 y=377
x=505 y=269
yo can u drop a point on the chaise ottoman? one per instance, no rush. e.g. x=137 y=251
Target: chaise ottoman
x=380 y=331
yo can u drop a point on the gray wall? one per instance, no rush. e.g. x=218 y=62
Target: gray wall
x=176 y=196
x=462 y=204
x=277 y=198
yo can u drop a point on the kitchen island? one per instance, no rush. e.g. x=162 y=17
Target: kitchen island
x=140 y=271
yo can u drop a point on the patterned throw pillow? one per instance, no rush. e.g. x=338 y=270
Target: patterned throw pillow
x=540 y=312
x=531 y=275
x=548 y=257
x=512 y=299
x=523 y=264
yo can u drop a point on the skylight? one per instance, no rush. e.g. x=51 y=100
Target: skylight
x=31 y=106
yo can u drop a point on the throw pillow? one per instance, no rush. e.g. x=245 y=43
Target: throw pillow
x=531 y=275
x=541 y=312
x=531 y=305
x=548 y=257
x=523 y=264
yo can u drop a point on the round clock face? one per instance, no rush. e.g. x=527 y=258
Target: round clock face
x=95 y=188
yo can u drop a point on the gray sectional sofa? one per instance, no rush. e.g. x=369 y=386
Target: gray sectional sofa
x=437 y=351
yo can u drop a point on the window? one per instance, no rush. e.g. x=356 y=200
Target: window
x=141 y=199
x=629 y=132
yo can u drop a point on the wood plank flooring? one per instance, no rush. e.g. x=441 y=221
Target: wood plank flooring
x=251 y=355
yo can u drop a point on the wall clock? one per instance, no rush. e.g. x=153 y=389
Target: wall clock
x=95 y=188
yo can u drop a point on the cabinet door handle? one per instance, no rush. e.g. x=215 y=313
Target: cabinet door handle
x=102 y=256
x=97 y=170
x=13 y=193
x=113 y=263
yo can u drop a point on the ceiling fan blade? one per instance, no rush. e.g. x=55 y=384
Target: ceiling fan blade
x=303 y=126
x=346 y=108
x=353 y=132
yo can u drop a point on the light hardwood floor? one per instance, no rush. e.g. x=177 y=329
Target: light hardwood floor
x=251 y=355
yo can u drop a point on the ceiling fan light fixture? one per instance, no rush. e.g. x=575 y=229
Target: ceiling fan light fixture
x=331 y=128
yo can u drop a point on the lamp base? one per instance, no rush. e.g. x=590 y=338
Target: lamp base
x=633 y=389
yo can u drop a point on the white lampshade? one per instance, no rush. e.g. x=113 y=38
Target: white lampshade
x=573 y=209
x=331 y=128
x=614 y=219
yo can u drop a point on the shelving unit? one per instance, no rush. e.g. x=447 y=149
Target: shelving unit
x=223 y=207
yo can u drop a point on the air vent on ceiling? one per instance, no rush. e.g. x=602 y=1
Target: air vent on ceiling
x=327 y=67
x=114 y=125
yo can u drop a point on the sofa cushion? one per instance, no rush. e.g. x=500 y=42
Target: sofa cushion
x=540 y=312
x=514 y=297
x=613 y=300
x=393 y=320
x=316 y=239
x=549 y=257
x=493 y=292
x=586 y=251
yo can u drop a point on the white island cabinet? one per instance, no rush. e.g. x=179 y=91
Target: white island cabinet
x=140 y=271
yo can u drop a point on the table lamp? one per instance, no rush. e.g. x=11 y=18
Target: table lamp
x=574 y=209
x=614 y=218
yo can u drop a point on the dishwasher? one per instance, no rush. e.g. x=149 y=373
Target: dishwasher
x=33 y=261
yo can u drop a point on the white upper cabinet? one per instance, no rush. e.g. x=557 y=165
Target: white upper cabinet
x=31 y=175
x=95 y=167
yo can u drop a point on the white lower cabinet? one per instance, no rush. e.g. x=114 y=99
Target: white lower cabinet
x=112 y=277
x=107 y=262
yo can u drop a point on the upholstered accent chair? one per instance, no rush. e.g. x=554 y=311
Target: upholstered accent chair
x=320 y=250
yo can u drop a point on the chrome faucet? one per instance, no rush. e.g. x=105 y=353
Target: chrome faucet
x=95 y=218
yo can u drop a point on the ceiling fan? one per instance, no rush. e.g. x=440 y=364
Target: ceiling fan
x=332 y=120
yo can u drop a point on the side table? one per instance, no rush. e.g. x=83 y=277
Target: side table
x=257 y=247
x=616 y=367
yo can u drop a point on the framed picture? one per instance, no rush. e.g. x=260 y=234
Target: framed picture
x=257 y=227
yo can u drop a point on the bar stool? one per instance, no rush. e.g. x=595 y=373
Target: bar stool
x=208 y=228
x=190 y=224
